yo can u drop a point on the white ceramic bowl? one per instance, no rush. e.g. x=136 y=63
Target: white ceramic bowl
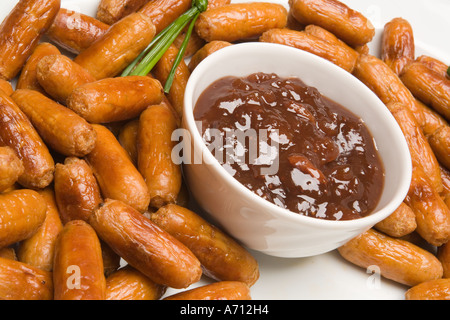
x=255 y=222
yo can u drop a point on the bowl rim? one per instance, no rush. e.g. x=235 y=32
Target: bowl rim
x=196 y=138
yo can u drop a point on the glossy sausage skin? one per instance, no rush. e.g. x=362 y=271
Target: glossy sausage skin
x=78 y=265
x=131 y=284
x=430 y=290
x=164 y=12
x=432 y=214
x=400 y=223
x=428 y=86
x=21 y=31
x=398 y=46
x=433 y=121
x=347 y=24
x=59 y=76
x=28 y=78
x=6 y=87
x=20 y=281
x=222 y=257
x=8 y=253
x=386 y=84
x=421 y=153
x=440 y=143
x=127 y=137
x=434 y=64
x=240 y=21
x=111 y=11
x=205 y=51
x=17 y=132
x=39 y=249
x=118 y=47
x=115 y=99
x=398 y=260
x=193 y=45
x=154 y=149
x=145 y=246
x=343 y=57
x=76 y=190
x=22 y=212
x=116 y=174
x=62 y=129
x=222 y=290
x=444 y=257
x=161 y=72
x=11 y=168
x=75 y=31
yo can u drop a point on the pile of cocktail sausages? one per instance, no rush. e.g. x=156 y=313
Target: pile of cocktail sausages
x=86 y=174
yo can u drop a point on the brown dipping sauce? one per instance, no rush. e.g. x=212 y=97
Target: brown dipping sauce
x=328 y=164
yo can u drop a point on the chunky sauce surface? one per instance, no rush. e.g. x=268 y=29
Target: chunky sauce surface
x=323 y=161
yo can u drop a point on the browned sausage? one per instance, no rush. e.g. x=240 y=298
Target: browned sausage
x=78 y=265
x=440 y=143
x=17 y=132
x=347 y=24
x=338 y=54
x=430 y=290
x=11 y=168
x=62 y=129
x=434 y=64
x=111 y=11
x=222 y=290
x=58 y=75
x=128 y=138
x=428 y=86
x=205 y=51
x=432 y=214
x=39 y=249
x=433 y=121
x=161 y=72
x=386 y=84
x=6 y=87
x=22 y=212
x=19 y=281
x=117 y=177
x=240 y=21
x=193 y=45
x=76 y=190
x=398 y=46
x=145 y=246
x=444 y=257
x=398 y=260
x=8 y=253
x=154 y=149
x=111 y=260
x=21 y=31
x=222 y=257
x=400 y=223
x=28 y=78
x=323 y=34
x=129 y=283
x=118 y=47
x=75 y=31
x=115 y=99
x=164 y=12
x=421 y=153
x=292 y=23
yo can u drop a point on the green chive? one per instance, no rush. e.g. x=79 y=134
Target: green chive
x=179 y=56
x=145 y=62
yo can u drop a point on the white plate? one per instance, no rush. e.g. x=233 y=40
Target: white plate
x=328 y=276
